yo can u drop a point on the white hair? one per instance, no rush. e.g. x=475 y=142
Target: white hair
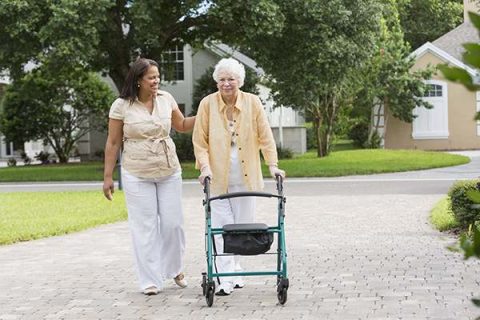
x=232 y=66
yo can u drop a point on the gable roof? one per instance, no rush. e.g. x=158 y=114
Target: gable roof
x=443 y=55
x=452 y=41
x=224 y=50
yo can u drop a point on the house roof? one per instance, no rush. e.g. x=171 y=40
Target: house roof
x=443 y=55
x=224 y=50
x=452 y=41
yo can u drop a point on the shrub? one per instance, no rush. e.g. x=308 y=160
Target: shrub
x=26 y=159
x=374 y=143
x=461 y=204
x=43 y=157
x=284 y=153
x=12 y=162
x=184 y=145
x=99 y=154
x=359 y=134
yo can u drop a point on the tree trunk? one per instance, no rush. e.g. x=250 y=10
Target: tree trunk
x=317 y=123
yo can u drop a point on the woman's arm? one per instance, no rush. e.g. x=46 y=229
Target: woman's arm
x=200 y=138
x=114 y=142
x=180 y=123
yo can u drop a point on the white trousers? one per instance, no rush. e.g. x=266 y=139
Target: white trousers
x=155 y=219
x=227 y=211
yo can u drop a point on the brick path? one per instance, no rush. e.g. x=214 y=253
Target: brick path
x=350 y=257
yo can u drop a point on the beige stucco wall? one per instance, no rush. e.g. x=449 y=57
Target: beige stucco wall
x=461 y=125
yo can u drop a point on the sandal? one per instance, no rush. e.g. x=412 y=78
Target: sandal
x=180 y=280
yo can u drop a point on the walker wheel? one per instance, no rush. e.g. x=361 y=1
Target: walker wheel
x=282 y=295
x=210 y=294
x=204 y=283
x=282 y=289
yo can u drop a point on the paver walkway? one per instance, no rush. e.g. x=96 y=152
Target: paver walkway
x=350 y=257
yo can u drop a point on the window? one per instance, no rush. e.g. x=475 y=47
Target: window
x=9 y=148
x=432 y=123
x=434 y=90
x=173 y=64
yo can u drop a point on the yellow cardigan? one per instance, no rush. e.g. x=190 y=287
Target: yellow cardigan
x=212 y=140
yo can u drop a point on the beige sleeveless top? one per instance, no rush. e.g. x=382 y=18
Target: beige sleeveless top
x=148 y=150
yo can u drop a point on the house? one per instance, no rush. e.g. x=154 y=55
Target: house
x=189 y=65
x=450 y=124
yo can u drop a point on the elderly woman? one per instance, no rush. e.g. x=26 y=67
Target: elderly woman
x=230 y=129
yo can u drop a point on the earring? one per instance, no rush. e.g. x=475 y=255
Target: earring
x=138 y=85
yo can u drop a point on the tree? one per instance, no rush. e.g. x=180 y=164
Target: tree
x=53 y=37
x=105 y=35
x=426 y=20
x=205 y=85
x=387 y=78
x=312 y=60
x=58 y=108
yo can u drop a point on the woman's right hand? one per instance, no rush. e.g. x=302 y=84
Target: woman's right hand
x=204 y=172
x=108 y=188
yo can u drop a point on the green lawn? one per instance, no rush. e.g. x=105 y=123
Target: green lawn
x=32 y=215
x=338 y=163
x=355 y=162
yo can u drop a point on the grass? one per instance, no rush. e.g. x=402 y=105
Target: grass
x=88 y=171
x=338 y=163
x=356 y=162
x=442 y=216
x=33 y=215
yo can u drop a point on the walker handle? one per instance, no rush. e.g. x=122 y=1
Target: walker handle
x=279 y=180
x=245 y=194
x=206 y=188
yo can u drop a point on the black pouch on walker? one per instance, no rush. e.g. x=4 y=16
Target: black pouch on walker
x=246 y=239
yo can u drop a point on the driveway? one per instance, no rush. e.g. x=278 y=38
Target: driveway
x=362 y=252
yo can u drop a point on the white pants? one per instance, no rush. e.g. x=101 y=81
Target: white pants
x=156 y=225
x=227 y=211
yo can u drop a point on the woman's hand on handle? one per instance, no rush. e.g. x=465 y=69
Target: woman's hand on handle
x=275 y=171
x=204 y=172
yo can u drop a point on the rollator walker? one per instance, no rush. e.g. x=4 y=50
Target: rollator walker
x=245 y=239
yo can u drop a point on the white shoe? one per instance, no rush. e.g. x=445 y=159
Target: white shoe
x=180 y=280
x=151 y=291
x=224 y=289
x=238 y=283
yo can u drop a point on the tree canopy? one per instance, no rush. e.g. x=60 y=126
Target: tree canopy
x=105 y=35
x=312 y=59
x=426 y=20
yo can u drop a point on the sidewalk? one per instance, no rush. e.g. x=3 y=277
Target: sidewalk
x=350 y=257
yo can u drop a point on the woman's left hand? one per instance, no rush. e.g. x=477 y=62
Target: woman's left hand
x=275 y=171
